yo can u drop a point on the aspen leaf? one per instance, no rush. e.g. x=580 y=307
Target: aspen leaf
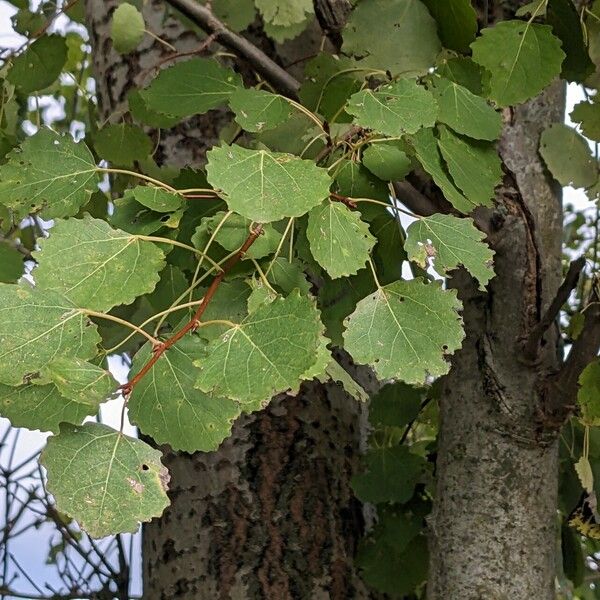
x=122 y=144
x=396 y=108
x=428 y=154
x=587 y=114
x=339 y=241
x=166 y=406
x=265 y=354
x=395 y=35
x=95 y=266
x=42 y=407
x=465 y=112
x=257 y=110
x=40 y=65
x=568 y=156
x=106 y=481
x=588 y=395
x=456 y=22
x=585 y=474
x=530 y=59
x=284 y=12
x=475 y=167
x=191 y=87
x=450 y=241
x=35 y=327
x=48 y=172
x=388 y=161
x=11 y=263
x=266 y=186
x=80 y=381
x=405 y=329
x=127 y=28
x=157 y=199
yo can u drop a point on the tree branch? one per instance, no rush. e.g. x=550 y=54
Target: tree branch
x=562 y=390
x=532 y=343
x=416 y=201
x=280 y=79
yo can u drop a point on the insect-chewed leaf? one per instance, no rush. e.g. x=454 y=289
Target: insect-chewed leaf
x=587 y=114
x=568 y=156
x=465 y=112
x=191 y=87
x=80 y=381
x=339 y=240
x=391 y=475
x=530 y=59
x=405 y=329
x=428 y=154
x=396 y=108
x=127 y=28
x=266 y=186
x=95 y=266
x=36 y=326
x=41 y=407
x=267 y=353
x=166 y=406
x=48 y=172
x=108 y=482
x=395 y=35
x=450 y=241
x=156 y=198
x=474 y=166
x=257 y=110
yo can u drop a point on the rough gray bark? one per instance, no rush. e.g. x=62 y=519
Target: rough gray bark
x=271 y=514
x=493 y=528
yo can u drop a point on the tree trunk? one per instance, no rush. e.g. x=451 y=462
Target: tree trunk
x=271 y=514
x=493 y=530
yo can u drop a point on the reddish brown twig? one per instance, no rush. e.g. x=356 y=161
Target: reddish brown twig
x=192 y=324
x=343 y=199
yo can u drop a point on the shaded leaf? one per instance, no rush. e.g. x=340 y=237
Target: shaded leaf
x=122 y=144
x=450 y=241
x=405 y=329
x=11 y=263
x=388 y=161
x=95 y=266
x=266 y=186
x=257 y=110
x=395 y=405
x=456 y=22
x=48 y=172
x=105 y=480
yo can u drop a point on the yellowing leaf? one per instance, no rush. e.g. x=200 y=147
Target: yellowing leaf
x=127 y=28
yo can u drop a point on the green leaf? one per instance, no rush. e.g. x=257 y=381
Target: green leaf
x=474 y=166
x=356 y=181
x=166 y=406
x=41 y=407
x=450 y=241
x=388 y=253
x=391 y=475
x=122 y=144
x=286 y=276
x=237 y=14
x=465 y=112
x=568 y=156
x=266 y=186
x=395 y=35
x=142 y=114
x=388 y=161
x=456 y=22
x=531 y=58
x=236 y=229
x=94 y=266
x=105 y=480
x=131 y=216
x=267 y=353
x=157 y=199
x=339 y=240
x=48 y=172
x=40 y=65
x=337 y=373
x=564 y=19
x=405 y=329
x=463 y=71
x=281 y=33
x=588 y=396
x=428 y=154
x=191 y=87
x=80 y=381
x=284 y=12
x=36 y=326
x=587 y=114
x=395 y=405
x=396 y=108
x=11 y=263
x=127 y=28
x=257 y=110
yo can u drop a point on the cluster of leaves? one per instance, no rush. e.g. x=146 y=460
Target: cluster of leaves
x=306 y=187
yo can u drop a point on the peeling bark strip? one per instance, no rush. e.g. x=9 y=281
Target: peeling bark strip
x=271 y=514
x=497 y=462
